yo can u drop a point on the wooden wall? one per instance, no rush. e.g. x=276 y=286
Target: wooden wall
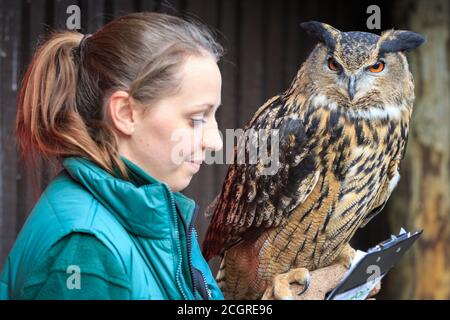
x=264 y=49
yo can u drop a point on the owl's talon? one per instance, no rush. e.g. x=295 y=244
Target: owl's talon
x=282 y=283
x=306 y=286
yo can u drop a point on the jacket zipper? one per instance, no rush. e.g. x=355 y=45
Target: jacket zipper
x=180 y=257
x=188 y=230
x=206 y=286
x=203 y=277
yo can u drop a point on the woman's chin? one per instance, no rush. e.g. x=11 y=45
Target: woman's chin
x=182 y=182
x=184 y=176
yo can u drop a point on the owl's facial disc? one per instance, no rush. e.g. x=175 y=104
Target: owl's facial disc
x=359 y=70
x=355 y=83
x=360 y=82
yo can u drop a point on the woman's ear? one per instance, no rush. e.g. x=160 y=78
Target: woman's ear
x=121 y=112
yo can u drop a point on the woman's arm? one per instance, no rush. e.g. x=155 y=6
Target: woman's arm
x=78 y=267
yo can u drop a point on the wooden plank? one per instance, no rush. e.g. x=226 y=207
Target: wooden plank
x=228 y=113
x=292 y=41
x=251 y=48
x=174 y=7
x=93 y=15
x=147 y=5
x=422 y=197
x=117 y=8
x=311 y=10
x=10 y=22
x=29 y=181
x=4 y=245
x=273 y=48
x=35 y=29
x=122 y=7
x=206 y=11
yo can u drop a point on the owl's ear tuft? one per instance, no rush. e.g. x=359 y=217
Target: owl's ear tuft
x=322 y=32
x=400 y=40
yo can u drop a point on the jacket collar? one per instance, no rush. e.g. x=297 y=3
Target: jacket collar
x=144 y=205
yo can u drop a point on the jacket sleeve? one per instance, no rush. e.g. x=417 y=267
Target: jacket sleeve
x=78 y=267
x=201 y=264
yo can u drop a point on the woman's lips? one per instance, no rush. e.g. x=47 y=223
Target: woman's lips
x=195 y=166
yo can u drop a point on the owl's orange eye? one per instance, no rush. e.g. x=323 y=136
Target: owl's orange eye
x=333 y=65
x=377 y=67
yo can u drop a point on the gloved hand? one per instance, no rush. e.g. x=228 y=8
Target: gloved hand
x=321 y=282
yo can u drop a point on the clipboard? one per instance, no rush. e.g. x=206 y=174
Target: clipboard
x=368 y=268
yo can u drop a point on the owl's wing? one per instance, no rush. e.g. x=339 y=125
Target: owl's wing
x=254 y=199
x=393 y=178
x=373 y=213
x=383 y=197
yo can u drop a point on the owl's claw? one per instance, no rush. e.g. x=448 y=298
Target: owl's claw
x=282 y=283
x=306 y=286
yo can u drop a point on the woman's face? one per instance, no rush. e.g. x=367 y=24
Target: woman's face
x=170 y=138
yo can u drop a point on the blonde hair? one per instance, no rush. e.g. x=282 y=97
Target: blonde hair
x=62 y=101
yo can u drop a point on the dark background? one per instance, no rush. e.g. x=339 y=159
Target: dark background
x=264 y=49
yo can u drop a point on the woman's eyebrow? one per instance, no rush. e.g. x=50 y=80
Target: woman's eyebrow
x=203 y=106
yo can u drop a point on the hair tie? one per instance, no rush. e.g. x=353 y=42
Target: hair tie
x=83 y=41
x=79 y=51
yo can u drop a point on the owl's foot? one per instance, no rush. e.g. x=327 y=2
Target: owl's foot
x=346 y=256
x=281 y=287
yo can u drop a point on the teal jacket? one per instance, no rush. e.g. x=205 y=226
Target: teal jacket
x=146 y=232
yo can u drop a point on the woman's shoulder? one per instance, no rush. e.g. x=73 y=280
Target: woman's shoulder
x=62 y=188
x=65 y=207
x=72 y=206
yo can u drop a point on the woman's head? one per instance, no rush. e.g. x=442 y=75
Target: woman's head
x=132 y=89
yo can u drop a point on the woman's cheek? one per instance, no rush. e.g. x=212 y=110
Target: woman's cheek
x=183 y=144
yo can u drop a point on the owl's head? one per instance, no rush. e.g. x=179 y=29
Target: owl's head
x=357 y=67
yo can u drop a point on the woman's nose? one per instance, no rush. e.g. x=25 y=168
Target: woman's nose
x=211 y=138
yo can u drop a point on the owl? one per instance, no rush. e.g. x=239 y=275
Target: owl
x=342 y=128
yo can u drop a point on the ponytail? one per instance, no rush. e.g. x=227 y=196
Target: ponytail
x=48 y=122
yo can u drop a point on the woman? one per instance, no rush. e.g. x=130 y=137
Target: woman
x=129 y=112
x=112 y=107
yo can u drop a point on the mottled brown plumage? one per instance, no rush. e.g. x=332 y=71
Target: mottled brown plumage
x=343 y=132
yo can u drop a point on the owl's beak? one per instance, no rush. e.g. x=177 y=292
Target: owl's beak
x=351 y=87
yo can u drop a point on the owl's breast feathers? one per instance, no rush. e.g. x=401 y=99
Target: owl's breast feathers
x=335 y=169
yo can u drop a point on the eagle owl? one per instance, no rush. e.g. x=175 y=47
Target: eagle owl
x=342 y=128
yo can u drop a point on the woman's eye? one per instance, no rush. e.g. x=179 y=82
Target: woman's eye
x=377 y=67
x=197 y=121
